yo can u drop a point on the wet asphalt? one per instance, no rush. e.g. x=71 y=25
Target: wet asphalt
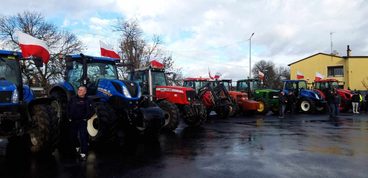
x=244 y=146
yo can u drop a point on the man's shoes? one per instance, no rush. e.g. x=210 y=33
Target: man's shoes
x=77 y=149
x=83 y=156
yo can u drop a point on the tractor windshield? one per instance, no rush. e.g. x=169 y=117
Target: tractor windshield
x=254 y=84
x=158 y=79
x=334 y=84
x=95 y=71
x=242 y=86
x=302 y=85
x=9 y=70
x=227 y=85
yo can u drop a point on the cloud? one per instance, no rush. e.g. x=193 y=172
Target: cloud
x=215 y=32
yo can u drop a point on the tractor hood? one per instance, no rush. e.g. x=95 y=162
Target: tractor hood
x=174 y=89
x=310 y=94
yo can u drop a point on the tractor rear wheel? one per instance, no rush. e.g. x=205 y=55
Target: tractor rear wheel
x=101 y=127
x=44 y=131
x=172 y=115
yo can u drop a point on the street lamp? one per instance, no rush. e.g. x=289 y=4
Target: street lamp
x=250 y=55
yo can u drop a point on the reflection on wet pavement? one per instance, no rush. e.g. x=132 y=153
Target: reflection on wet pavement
x=257 y=146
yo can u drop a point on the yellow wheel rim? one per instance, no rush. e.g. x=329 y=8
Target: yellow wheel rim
x=261 y=107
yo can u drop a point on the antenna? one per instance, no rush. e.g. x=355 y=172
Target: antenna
x=331 y=33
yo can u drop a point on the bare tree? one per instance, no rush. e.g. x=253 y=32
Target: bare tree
x=137 y=52
x=273 y=76
x=59 y=43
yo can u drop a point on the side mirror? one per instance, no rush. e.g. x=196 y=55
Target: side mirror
x=38 y=62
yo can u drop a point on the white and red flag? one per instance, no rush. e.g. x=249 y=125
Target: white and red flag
x=107 y=51
x=318 y=76
x=217 y=75
x=261 y=75
x=33 y=47
x=299 y=75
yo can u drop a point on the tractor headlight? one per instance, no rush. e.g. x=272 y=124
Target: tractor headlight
x=15 y=97
x=126 y=92
x=317 y=96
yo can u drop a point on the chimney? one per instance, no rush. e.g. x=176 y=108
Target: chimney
x=348 y=51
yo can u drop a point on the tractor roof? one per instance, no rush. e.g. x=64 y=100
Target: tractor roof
x=8 y=53
x=327 y=80
x=251 y=79
x=94 y=58
x=294 y=81
x=197 y=79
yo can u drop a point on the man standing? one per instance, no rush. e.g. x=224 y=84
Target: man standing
x=282 y=104
x=291 y=98
x=331 y=103
x=79 y=111
x=355 y=99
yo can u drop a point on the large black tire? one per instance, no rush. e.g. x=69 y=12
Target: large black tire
x=224 y=110
x=44 y=129
x=172 y=115
x=195 y=114
x=263 y=107
x=102 y=126
x=307 y=106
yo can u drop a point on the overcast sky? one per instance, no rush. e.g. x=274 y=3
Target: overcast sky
x=214 y=34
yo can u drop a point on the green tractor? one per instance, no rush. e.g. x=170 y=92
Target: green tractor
x=268 y=98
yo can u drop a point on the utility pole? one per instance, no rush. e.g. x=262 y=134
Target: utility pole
x=250 y=55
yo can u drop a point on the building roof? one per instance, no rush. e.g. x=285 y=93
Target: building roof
x=313 y=56
x=345 y=57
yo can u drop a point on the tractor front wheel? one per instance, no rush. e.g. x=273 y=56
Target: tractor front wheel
x=306 y=106
x=263 y=108
x=172 y=115
x=224 y=110
x=101 y=127
x=195 y=114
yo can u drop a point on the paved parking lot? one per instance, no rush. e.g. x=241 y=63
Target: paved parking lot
x=249 y=146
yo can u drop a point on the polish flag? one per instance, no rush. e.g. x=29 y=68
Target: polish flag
x=299 y=75
x=209 y=74
x=217 y=75
x=318 y=76
x=33 y=47
x=107 y=51
x=261 y=75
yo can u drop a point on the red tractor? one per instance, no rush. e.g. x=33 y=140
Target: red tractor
x=322 y=86
x=244 y=104
x=214 y=97
x=177 y=102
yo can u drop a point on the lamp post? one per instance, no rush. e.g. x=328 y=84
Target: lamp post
x=250 y=55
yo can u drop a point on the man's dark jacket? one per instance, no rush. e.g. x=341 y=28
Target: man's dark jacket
x=80 y=108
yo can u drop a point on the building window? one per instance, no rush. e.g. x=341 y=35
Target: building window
x=335 y=71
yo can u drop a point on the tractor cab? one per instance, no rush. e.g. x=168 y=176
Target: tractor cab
x=195 y=83
x=89 y=71
x=323 y=86
x=154 y=83
x=248 y=86
x=150 y=78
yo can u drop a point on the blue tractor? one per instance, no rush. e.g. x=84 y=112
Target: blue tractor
x=119 y=106
x=307 y=101
x=22 y=115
